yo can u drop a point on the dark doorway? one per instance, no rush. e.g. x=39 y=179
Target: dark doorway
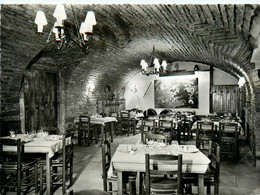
x=40 y=100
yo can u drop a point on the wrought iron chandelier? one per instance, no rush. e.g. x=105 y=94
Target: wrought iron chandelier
x=84 y=32
x=154 y=67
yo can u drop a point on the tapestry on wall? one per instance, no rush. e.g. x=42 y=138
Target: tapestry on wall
x=176 y=92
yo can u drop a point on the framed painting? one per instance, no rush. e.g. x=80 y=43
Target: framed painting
x=176 y=92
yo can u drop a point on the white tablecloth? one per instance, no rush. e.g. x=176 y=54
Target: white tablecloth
x=123 y=160
x=150 y=123
x=216 y=125
x=38 y=145
x=136 y=116
x=98 y=121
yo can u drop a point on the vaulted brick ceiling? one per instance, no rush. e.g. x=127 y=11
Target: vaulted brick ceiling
x=220 y=35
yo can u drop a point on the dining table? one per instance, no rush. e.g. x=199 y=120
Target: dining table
x=131 y=158
x=149 y=123
x=47 y=144
x=216 y=126
x=102 y=121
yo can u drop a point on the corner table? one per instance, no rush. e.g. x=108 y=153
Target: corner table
x=47 y=147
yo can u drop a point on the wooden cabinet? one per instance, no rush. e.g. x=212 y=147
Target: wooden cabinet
x=225 y=98
x=108 y=106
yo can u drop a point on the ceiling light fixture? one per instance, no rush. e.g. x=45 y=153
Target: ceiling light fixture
x=84 y=32
x=155 y=67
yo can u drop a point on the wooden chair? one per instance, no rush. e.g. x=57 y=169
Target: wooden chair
x=106 y=163
x=185 y=129
x=204 y=134
x=117 y=129
x=61 y=166
x=228 y=139
x=146 y=126
x=167 y=127
x=211 y=177
x=17 y=172
x=127 y=123
x=160 y=180
x=156 y=137
x=86 y=131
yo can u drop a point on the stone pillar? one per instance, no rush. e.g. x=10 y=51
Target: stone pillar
x=61 y=103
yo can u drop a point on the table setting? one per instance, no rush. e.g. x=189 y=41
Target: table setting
x=33 y=136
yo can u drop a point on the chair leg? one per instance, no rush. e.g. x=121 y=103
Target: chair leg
x=41 y=179
x=216 y=187
x=36 y=178
x=132 y=188
x=85 y=136
x=19 y=177
x=208 y=189
x=64 y=170
x=71 y=171
x=96 y=135
x=110 y=188
x=111 y=132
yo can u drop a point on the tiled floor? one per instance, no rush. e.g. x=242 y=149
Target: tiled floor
x=239 y=178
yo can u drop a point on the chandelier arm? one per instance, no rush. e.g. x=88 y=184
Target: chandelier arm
x=49 y=36
x=79 y=45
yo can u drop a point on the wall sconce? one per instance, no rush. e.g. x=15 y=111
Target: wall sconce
x=90 y=88
x=241 y=81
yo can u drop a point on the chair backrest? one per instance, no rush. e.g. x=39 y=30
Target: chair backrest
x=114 y=114
x=214 y=156
x=156 y=137
x=162 y=165
x=125 y=120
x=67 y=148
x=149 y=124
x=229 y=130
x=84 y=122
x=106 y=161
x=14 y=155
x=7 y=126
x=204 y=132
x=166 y=124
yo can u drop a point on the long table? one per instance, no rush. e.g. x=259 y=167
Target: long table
x=47 y=147
x=124 y=161
x=102 y=121
x=216 y=126
x=150 y=123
